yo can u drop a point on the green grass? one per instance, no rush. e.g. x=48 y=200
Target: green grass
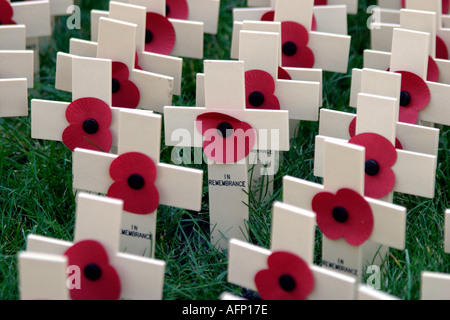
x=36 y=188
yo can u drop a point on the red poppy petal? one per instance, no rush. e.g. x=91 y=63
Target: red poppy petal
x=235 y=147
x=108 y=286
x=163 y=34
x=352 y=128
x=417 y=88
x=128 y=95
x=142 y=200
x=398 y=144
x=75 y=137
x=304 y=58
x=320 y=2
x=136 y=62
x=283 y=74
x=408 y=115
x=284 y=263
x=120 y=71
x=377 y=148
x=433 y=70
x=294 y=32
x=314 y=23
x=6 y=13
x=441 y=49
x=130 y=163
x=261 y=83
x=81 y=109
x=268 y=16
x=379 y=185
x=323 y=204
x=177 y=9
x=445 y=6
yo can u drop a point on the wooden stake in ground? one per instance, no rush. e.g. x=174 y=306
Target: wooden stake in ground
x=136 y=176
x=16 y=71
x=227 y=132
x=348 y=220
x=436 y=285
x=421 y=100
x=96 y=269
x=303 y=48
x=132 y=88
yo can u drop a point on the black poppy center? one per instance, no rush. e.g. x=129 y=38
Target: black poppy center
x=167 y=9
x=287 y=282
x=405 y=98
x=372 y=167
x=136 y=181
x=93 y=272
x=256 y=99
x=148 y=36
x=289 y=48
x=340 y=214
x=90 y=126
x=225 y=129
x=115 y=85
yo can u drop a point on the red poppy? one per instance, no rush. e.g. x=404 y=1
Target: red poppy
x=227 y=139
x=288 y=277
x=295 y=51
x=160 y=34
x=441 y=49
x=344 y=214
x=259 y=90
x=415 y=96
x=283 y=74
x=433 y=70
x=136 y=62
x=177 y=9
x=134 y=176
x=320 y=2
x=89 y=121
x=125 y=94
x=6 y=13
x=98 y=279
x=381 y=155
x=352 y=132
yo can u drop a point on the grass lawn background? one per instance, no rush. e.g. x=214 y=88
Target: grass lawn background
x=36 y=183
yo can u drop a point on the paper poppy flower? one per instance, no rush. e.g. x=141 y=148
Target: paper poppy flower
x=288 y=277
x=259 y=90
x=98 y=279
x=294 y=45
x=352 y=132
x=6 y=13
x=226 y=139
x=283 y=74
x=134 y=176
x=344 y=214
x=89 y=121
x=177 y=9
x=160 y=34
x=381 y=155
x=441 y=49
x=415 y=96
x=125 y=94
x=433 y=70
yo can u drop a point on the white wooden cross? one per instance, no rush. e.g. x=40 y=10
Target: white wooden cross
x=330 y=51
x=90 y=79
x=413 y=138
x=206 y=11
x=16 y=71
x=344 y=168
x=227 y=170
x=293 y=232
x=118 y=44
x=404 y=58
x=176 y=186
x=423 y=21
x=414 y=172
x=98 y=220
x=436 y=285
x=352 y=5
